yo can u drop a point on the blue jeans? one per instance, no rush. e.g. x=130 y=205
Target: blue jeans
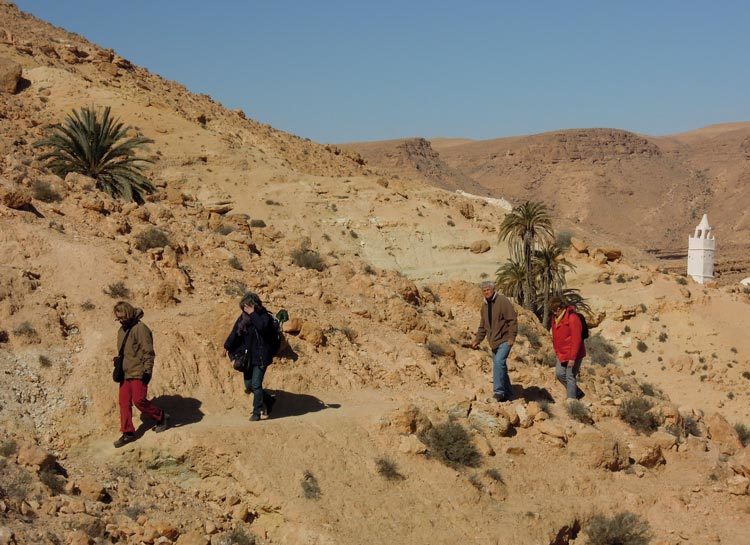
x=568 y=377
x=500 y=380
x=254 y=381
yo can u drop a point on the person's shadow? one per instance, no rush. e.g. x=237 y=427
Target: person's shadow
x=290 y=404
x=182 y=411
x=534 y=393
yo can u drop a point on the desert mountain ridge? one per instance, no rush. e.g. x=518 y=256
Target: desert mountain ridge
x=378 y=270
x=645 y=191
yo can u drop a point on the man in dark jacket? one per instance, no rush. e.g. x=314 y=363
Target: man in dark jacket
x=497 y=322
x=250 y=342
x=135 y=343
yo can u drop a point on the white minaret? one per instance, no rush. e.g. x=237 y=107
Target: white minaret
x=701 y=248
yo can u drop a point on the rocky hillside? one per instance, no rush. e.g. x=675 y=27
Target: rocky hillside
x=384 y=429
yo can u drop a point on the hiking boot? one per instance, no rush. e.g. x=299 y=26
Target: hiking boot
x=248 y=391
x=124 y=439
x=268 y=406
x=580 y=394
x=500 y=398
x=163 y=425
x=254 y=418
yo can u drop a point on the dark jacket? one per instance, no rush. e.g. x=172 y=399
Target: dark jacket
x=138 y=353
x=567 y=336
x=499 y=328
x=251 y=334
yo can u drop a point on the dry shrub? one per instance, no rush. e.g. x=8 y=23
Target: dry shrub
x=239 y=536
x=8 y=448
x=450 y=443
x=436 y=349
x=43 y=191
x=621 y=529
x=635 y=412
x=578 y=411
x=495 y=475
x=310 y=486
x=641 y=346
x=53 y=481
x=257 y=223
x=235 y=263
x=743 y=432
x=87 y=305
x=388 y=469
x=235 y=288
x=308 y=259
x=44 y=361
x=532 y=336
x=600 y=350
x=4 y=337
x=25 y=329
x=151 y=238
x=118 y=290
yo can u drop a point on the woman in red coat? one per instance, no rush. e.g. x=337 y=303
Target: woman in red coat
x=567 y=338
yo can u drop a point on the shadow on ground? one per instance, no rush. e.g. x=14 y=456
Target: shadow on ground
x=290 y=404
x=182 y=411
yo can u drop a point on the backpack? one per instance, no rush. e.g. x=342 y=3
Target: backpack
x=584 y=325
x=276 y=339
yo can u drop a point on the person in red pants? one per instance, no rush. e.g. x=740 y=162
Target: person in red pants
x=135 y=346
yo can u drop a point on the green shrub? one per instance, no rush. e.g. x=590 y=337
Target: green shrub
x=310 y=486
x=308 y=259
x=578 y=411
x=641 y=346
x=663 y=337
x=745 y=374
x=43 y=191
x=118 y=290
x=627 y=354
x=635 y=412
x=388 y=469
x=151 y=238
x=600 y=350
x=743 y=432
x=450 y=443
x=620 y=279
x=621 y=529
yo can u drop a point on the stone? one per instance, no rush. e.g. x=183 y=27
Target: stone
x=410 y=444
x=579 y=245
x=91 y=489
x=480 y=247
x=409 y=420
x=647 y=280
x=740 y=463
x=240 y=513
x=165 y=529
x=721 y=432
x=79 y=538
x=192 y=538
x=292 y=326
x=685 y=292
x=553 y=430
x=220 y=207
x=599 y=450
x=16 y=198
x=312 y=334
x=738 y=485
x=32 y=455
x=612 y=254
x=6 y=536
x=10 y=75
x=646 y=453
x=664 y=440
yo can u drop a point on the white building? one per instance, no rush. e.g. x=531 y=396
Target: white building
x=701 y=249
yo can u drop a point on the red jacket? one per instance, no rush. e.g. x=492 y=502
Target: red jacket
x=566 y=336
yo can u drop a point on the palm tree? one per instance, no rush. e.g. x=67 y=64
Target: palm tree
x=550 y=267
x=525 y=226
x=511 y=278
x=99 y=147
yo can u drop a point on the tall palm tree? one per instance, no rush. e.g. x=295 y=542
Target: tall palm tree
x=525 y=226
x=99 y=147
x=550 y=267
x=510 y=279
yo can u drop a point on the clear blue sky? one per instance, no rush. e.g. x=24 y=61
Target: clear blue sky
x=345 y=70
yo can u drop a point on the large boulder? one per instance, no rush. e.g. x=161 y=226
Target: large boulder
x=10 y=75
x=479 y=247
x=599 y=450
x=740 y=463
x=16 y=198
x=721 y=432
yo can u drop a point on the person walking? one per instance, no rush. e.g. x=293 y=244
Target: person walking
x=134 y=367
x=567 y=339
x=498 y=323
x=250 y=343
